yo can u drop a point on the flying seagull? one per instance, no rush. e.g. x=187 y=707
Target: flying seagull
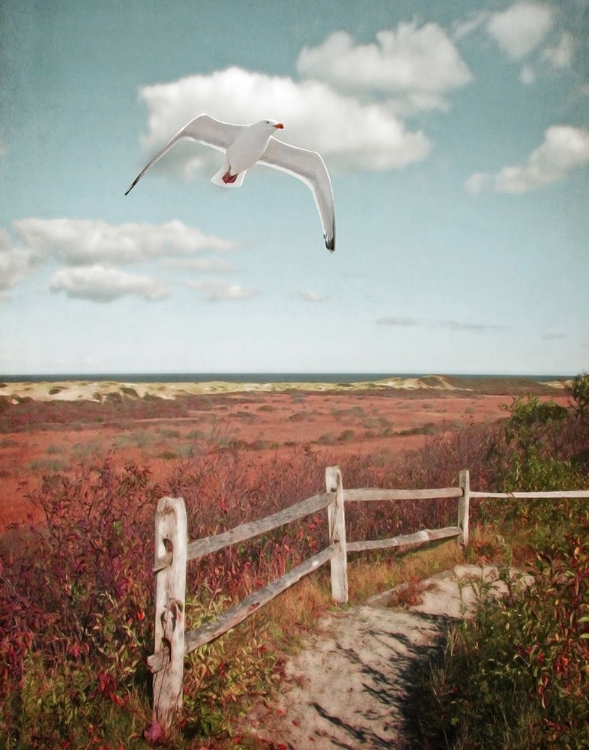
x=246 y=145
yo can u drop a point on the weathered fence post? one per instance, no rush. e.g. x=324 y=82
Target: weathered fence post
x=463 y=506
x=337 y=533
x=170 y=537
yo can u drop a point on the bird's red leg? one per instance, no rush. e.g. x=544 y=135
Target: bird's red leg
x=228 y=178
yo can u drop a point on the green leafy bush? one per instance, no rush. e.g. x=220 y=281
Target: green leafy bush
x=518 y=676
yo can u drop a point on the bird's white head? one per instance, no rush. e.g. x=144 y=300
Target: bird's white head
x=268 y=125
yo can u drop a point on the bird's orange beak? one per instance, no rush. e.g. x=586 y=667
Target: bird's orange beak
x=279 y=125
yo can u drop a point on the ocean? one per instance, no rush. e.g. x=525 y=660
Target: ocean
x=251 y=377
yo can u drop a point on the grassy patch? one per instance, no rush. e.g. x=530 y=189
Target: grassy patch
x=47 y=465
x=127 y=390
x=134 y=439
x=167 y=455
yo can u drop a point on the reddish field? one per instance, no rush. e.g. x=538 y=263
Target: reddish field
x=37 y=438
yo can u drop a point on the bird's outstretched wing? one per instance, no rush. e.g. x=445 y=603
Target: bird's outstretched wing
x=204 y=129
x=309 y=167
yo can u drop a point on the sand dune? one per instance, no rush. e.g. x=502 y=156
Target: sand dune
x=73 y=390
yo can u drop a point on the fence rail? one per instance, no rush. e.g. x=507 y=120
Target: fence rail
x=172 y=553
x=553 y=495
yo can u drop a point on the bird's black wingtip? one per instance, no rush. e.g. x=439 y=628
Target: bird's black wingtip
x=330 y=244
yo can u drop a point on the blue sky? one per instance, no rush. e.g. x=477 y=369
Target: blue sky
x=457 y=139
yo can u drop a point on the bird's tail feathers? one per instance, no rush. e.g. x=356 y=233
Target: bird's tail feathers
x=217 y=178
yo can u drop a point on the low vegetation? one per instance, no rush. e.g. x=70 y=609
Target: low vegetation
x=76 y=620
x=518 y=676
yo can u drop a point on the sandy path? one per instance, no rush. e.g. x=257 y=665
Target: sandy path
x=348 y=688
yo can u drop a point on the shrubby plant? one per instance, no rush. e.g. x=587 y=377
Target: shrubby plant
x=75 y=592
x=517 y=677
x=76 y=622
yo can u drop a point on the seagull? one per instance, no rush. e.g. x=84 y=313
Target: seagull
x=246 y=145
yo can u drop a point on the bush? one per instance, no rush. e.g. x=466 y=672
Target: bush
x=76 y=623
x=517 y=676
x=75 y=626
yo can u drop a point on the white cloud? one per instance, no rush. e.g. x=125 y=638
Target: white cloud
x=219 y=291
x=476 y=183
x=101 y=284
x=82 y=242
x=521 y=28
x=419 y=63
x=313 y=297
x=350 y=134
x=92 y=249
x=15 y=262
x=565 y=148
x=561 y=55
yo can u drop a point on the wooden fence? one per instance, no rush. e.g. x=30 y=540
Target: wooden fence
x=173 y=552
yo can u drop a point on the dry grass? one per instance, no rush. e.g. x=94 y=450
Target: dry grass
x=368 y=575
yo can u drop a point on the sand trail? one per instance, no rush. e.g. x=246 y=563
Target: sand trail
x=350 y=686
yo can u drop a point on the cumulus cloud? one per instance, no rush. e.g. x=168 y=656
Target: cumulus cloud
x=101 y=284
x=313 y=296
x=91 y=250
x=565 y=148
x=350 y=134
x=477 y=182
x=521 y=28
x=219 y=291
x=15 y=263
x=418 y=63
x=86 y=242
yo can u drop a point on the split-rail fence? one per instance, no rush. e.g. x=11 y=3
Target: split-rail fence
x=173 y=552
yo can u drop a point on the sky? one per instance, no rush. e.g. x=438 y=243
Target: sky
x=457 y=140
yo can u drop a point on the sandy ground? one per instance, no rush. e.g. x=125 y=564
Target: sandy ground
x=98 y=389
x=350 y=686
